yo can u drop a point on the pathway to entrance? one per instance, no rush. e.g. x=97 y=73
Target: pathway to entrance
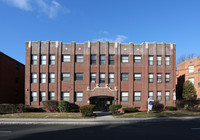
x=101 y=115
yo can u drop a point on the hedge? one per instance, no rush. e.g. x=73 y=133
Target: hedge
x=87 y=110
x=64 y=106
x=130 y=110
x=114 y=108
x=50 y=106
x=11 y=108
x=191 y=105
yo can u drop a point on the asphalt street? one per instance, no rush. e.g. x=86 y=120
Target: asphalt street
x=162 y=130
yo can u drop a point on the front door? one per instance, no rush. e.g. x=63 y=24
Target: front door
x=102 y=102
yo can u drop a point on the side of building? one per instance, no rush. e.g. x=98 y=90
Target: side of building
x=12 y=79
x=100 y=73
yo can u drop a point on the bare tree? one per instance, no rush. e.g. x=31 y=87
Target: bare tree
x=191 y=55
x=181 y=58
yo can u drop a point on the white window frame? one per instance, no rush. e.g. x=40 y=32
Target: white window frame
x=93 y=59
x=151 y=77
x=51 y=95
x=159 y=78
x=66 y=58
x=151 y=60
x=151 y=95
x=79 y=96
x=79 y=76
x=124 y=58
x=34 y=78
x=42 y=77
x=137 y=58
x=167 y=95
x=167 y=60
x=93 y=77
x=65 y=76
x=34 y=59
x=51 y=77
x=159 y=96
x=111 y=59
x=102 y=78
x=137 y=76
x=52 y=59
x=42 y=96
x=159 y=60
x=123 y=78
x=191 y=79
x=167 y=77
x=66 y=96
x=102 y=59
x=137 y=96
x=111 y=77
x=79 y=58
x=124 y=96
x=190 y=69
x=43 y=59
x=33 y=96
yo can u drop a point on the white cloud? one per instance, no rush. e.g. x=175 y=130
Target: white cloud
x=119 y=38
x=51 y=8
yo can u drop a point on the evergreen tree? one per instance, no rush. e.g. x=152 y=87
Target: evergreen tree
x=189 y=91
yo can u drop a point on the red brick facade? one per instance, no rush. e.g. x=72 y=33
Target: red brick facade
x=91 y=89
x=11 y=80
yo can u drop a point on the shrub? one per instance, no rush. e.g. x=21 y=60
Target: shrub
x=130 y=110
x=114 y=108
x=63 y=106
x=157 y=106
x=74 y=108
x=170 y=108
x=189 y=91
x=191 y=105
x=87 y=110
x=32 y=109
x=51 y=106
x=11 y=108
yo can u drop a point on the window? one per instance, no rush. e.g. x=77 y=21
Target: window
x=66 y=96
x=34 y=59
x=198 y=71
x=79 y=96
x=191 y=79
x=79 y=58
x=43 y=60
x=51 y=95
x=167 y=77
x=124 y=59
x=66 y=58
x=33 y=96
x=79 y=76
x=66 y=76
x=124 y=96
x=191 y=69
x=17 y=66
x=150 y=95
x=33 y=78
x=159 y=96
x=124 y=77
x=93 y=59
x=167 y=96
x=42 y=96
x=137 y=96
x=111 y=77
x=52 y=59
x=93 y=77
x=42 y=78
x=198 y=84
x=137 y=77
x=102 y=59
x=151 y=77
x=52 y=78
x=111 y=59
x=151 y=60
x=159 y=60
x=137 y=58
x=167 y=60
x=159 y=78
x=102 y=77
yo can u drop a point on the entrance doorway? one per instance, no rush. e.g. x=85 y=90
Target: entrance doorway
x=102 y=102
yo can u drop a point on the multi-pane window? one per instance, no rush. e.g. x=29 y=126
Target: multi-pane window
x=167 y=96
x=137 y=77
x=159 y=60
x=66 y=96
x=79 y=96
x=167 y=77
x=111 y=59
x=51 y=95
x=93 y=77
x=111 y=77
x=42 y=78
x=79 y=76
x=191 y=79
x=93 y=59
x=159 y=96
x=102 y=59
x=102 y=77
x=52 y=59
x=124 y=96
x=124 y=77
x=137 y=58
x=191 y=69
x=159 y=78
x=42 y=96
x=150 y=95
x=34 y=59
x=79 y=58
x=151 y=77
x=66 y=58
x=66 y=76
x=51 y=77
x=33 y=78
x=198 y=84
x=167 y=60
x=33 y=96
x=43 y=60
x=124 y=58
x=151 y=60
x=137 y=96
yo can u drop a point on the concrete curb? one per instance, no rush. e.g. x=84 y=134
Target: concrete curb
x=94 y=121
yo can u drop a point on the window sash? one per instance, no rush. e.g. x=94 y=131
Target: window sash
x=93 y=59
x=102 y=78
x=159 y=60
x=43 y=78
x=111 y=59
x=43 y=59
x=33 y=96
x=52 y=78
x=42 y=96
x=34 y=59
x=52 y=95
x=159 y=78
x=125 y=77
x=66 y=76
x=66 y=58
x=167 y=60
x=191 y=80
x=66 y=96
x=34 y=78
x=167 y=96
x=137 y=96
x=137 y=77
x=111 y=78
x=167 y=78
x=52 y=59
x=79 y=58
x=124 y=58
x=159 y=95
x=150 y=95
x=137 y=59
x=124 y=96
x=191 y=69
x=79 y=76
x=102 y=59
x=79 y=96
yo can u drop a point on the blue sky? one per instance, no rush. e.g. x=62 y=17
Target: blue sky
x=176 y=21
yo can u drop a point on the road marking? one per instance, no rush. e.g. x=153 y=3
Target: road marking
x=5 y=131
x=195 y=128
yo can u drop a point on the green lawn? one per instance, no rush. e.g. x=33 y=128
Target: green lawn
x=160 y=114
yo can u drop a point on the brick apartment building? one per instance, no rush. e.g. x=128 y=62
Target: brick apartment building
x=11 y=80
x=100 y=73
x=188 y=70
